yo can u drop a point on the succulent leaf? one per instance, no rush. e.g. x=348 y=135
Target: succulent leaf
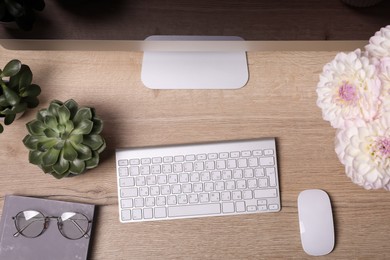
x=36 y=127
x=11 y=96
x=72 y=106
x=25 y=77
x=97 y=126
x=35 y=157
x=93 y=162
x=1 y=128
x=61 y=166
x=82 y=114
x=9 y=118
x=83 y=128
x=69 y=152
x=32 y=90
x=51 y=122
x=77 y=166
x=63 y=115
x=83 y=151
x=93 y=141
x=45 y=144
x=50 y=157
x=12 y=68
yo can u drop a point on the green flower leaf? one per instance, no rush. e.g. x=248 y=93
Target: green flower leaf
x=3 y=101
x=42 y=114
x=46 y=144
x=62 y=166
x=53 y=107
x=1 y=128
x=19 y=108
x=50 y=133
x=75 y=139
x=93 y=141
x=84 y=127
x=32 y=102
x=50 y=157
x=97 y=126
x=82 y=114
x=25 y=77
x=77 y=166
x=31 y=141
x=35 y=127
x=31 y=91
x=69 y=152
x=51 y=122
x=93 y=162
x=83 y=151
x=35 y=157
x=12 y=68
x=9 y=118
x=11 y=96
x=63 y=115
x=72 y=106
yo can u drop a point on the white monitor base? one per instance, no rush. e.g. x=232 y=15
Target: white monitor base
x=194 y=70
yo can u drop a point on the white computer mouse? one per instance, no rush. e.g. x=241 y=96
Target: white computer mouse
x=316 y=222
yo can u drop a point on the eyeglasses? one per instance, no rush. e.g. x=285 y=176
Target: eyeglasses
x=32 y=223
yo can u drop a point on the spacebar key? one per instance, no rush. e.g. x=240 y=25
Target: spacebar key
x=194 y=210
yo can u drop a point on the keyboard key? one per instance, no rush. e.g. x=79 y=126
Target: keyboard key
x=193 y=198
x=228 y=207
x=201 y=157
x=148 y=213
x=179 y=158
x=137 y=214
x=129 y=192
x=192 y=210
x=257 y=153
x=138 y=202
x=212 y=156
x=134 y=170
x=240 y=206
x=267 y=161
x=251 y=208
x=123 y=171
x=190 y=157
x=127 y=203
x=271 y=174
x=156 y=160
x=125 y=215
x=161 y=201
x=172 y=200
x=246 y=153
x=266 y=193
x=273 y=207
x=168 y=159
x=268 y=152
x=146 y=161
x=198 y=166
x=149 y=202
x=160 y=212
x=122 y=162
x=134 y=161
x=126 y=182
x=223 y=155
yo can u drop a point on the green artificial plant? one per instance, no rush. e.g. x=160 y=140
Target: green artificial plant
x=20 y=11
x=64 y=140
x=17 y=93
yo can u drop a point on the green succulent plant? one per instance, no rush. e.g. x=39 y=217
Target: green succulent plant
x=16 y=92
x=64 y=140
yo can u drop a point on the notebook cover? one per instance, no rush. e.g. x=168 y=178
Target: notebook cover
x=51 y=244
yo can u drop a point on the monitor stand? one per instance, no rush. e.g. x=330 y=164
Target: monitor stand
x=195 y=69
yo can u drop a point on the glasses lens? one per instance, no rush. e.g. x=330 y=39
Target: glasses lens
x=74 y=225
x=30 y=223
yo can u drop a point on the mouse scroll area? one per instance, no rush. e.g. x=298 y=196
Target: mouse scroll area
x=316 y=222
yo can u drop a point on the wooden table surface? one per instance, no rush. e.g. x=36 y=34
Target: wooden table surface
x=279 y=101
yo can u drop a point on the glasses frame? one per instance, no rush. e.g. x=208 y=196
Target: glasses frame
x=19 y=231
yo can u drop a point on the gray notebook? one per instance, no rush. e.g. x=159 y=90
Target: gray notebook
x=50 y=244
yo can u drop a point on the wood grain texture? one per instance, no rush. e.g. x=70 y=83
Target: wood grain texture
x=279 y=100
x=250 y=19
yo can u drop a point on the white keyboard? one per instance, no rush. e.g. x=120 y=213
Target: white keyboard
x=197 y=180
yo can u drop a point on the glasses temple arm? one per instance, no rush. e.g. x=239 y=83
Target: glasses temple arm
x=80 y=229
x=21 y=230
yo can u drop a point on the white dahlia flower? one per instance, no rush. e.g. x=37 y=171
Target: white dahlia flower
x=349 y=90
x=383 y=69
x=379 y=44
x=365 y=152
